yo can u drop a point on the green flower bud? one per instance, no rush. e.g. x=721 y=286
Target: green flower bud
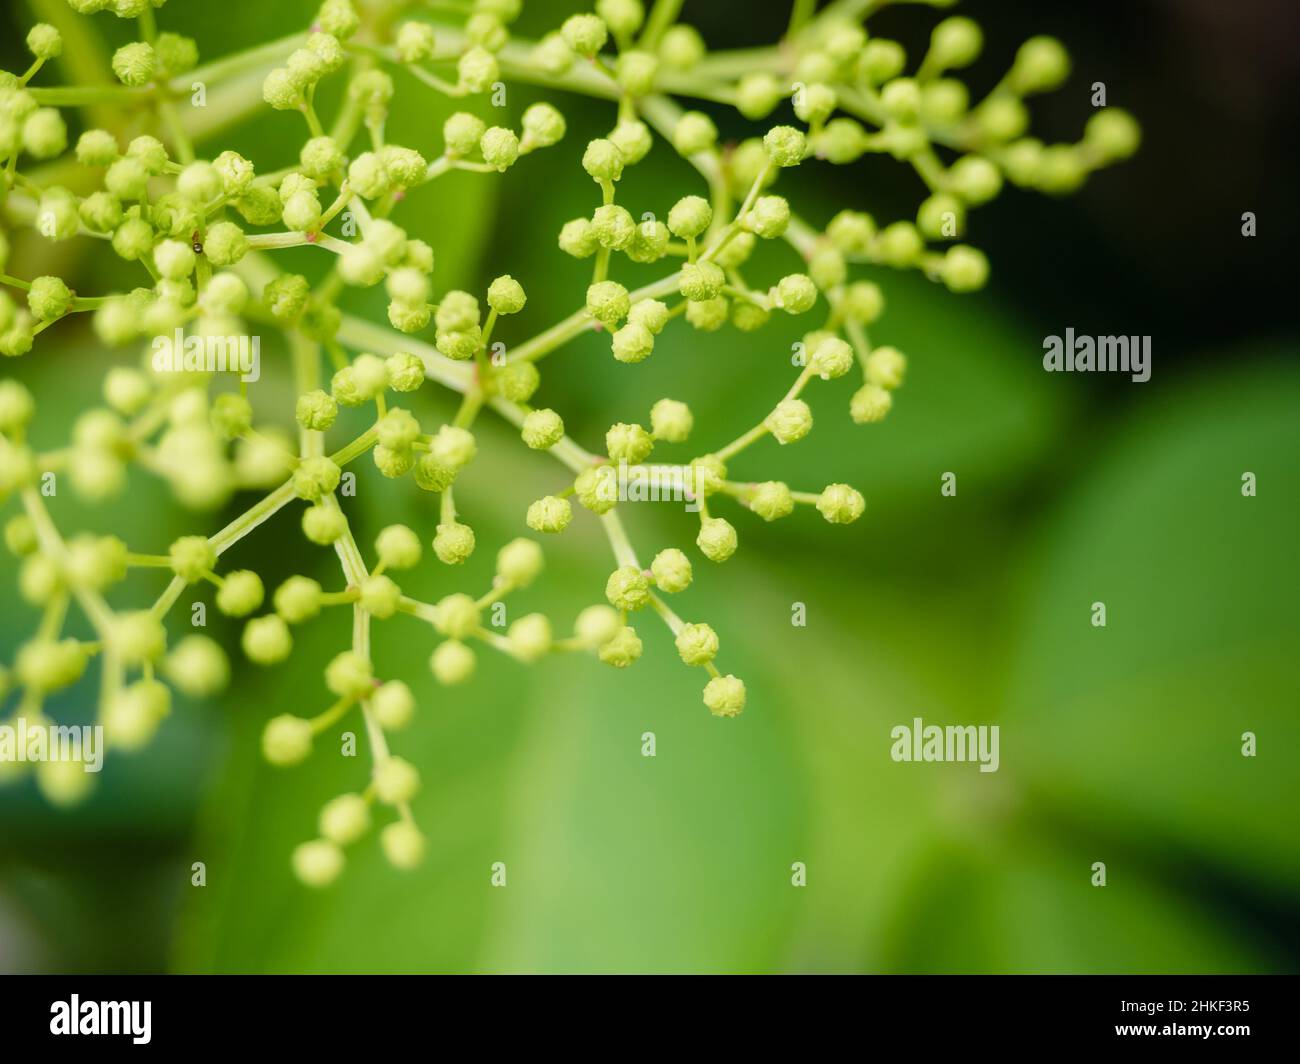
x=795 y=293
x=368 y=175
x=240 y=593
x=881 y=60
x=477 y=70
x=964 y=269
x=843 y=141
x=298 y=599
x=841 y=504
x=597 y=488
x=628 y=588
x=757 y=95
x=453 y=446
x=1002 y=117
x=232 y=415
x=530 y=637
x=393 y=704
x=414 y=42
x=716 y=539
x=833 y=357
x=432 y=474
x=96 y=147
x=725 y=695
x=517 y=381
x=1112 y=134
x=500 y=148
x=317 y=863
x=134 y=64
x=613 y=227
x=649 y=312
x=622 y=650
x=608 y=303
x=690 y=216
x=635 y=72
x=772 y=500
x=456 y=616
x=694 y=133
x=44 y=134
x=649 y=242
x=131 y=717
x=360 y=382
x=623 y=17
x=632 y=343
x=315 y=477
x=402 y=843
x=702 y=281
x=974 y=179
x=338 y=18
x=49 y=298
x=379 y=597
x=785 y=145
x=506 y=295
x=697 y=644
x=405 y=372
x=150 y=151
x=863 y=301
x=672 y=571
x=584 y=34
x=462 y=132
x=578 y=238
x=597 y=625
x=323 y=524
x=100 y=212
x=260 y=205
x=955 y=42
x=632 y=139
x=870 y=404
x=345 y=819
x=944 y=102
x=603 y=161
x=57 y=216
x=899 y=245
x=886 y=367
x=769 y=217
x=549 y=514
x=192 y=557
x=827 y=268
x=225 y=244
x=286 y=740
x=628 y=443
x=519 y=562
x=681 y=47
x=790 y=420
x=452 y=662
x=197 y=667
x=453 y=543
x=543 y=126
x=542 y=429
x=707 y=315
x=349 y=675
x=44 y=41
x=316 y=410
x=1042 y=63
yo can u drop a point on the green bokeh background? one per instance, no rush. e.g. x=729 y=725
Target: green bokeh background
x=1120 y=745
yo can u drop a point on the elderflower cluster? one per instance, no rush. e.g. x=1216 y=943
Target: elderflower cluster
x=199 y=229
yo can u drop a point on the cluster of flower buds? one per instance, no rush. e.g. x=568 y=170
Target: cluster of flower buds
x=200 y=235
